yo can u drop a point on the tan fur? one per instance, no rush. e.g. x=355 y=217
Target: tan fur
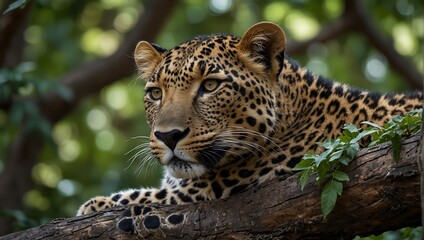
x=264 y=36
x=146 y=58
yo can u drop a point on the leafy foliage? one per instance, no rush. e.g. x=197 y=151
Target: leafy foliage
x=404 y=234
x=22 y=220
x=340 y=151
x=16 y=85
x=394 y=129
x=13 y=81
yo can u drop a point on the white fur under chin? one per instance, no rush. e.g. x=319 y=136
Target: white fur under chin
x=185 y=171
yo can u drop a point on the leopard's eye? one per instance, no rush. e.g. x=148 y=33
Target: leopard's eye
x=209 y=85
x=155 y=93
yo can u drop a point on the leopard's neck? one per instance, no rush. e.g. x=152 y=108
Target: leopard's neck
x=314 y=102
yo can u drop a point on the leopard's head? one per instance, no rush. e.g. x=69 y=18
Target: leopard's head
x=211 y=101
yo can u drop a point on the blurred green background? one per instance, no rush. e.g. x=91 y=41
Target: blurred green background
x=89 y=150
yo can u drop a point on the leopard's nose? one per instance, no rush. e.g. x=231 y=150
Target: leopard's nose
x=172 y=137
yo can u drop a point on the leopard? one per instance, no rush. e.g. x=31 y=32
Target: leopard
x=229 y=113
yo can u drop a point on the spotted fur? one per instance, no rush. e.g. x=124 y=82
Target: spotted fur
x=229 y=113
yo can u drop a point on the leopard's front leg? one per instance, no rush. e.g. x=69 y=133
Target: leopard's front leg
x=122 y=198
x=173 y=191
x=95 y=204
x=146 y=214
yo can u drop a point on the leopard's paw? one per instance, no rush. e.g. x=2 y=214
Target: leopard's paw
x=142 y=219
x=94 y=205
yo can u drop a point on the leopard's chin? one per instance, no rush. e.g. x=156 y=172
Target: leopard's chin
x=179 y=168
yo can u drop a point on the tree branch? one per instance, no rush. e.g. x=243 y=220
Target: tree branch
x=366 y=25
x=379 y=189
x=94 y=76
x=343 y=25
x=10 y=24
x=357 y=18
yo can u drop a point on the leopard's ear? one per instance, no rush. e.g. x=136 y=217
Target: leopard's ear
x=262 y=45
x=147 y=56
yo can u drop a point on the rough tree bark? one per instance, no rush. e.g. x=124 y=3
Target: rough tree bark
x=381 y=195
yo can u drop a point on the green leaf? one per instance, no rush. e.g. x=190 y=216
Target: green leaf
x=396 y=142
x=305 y=163
x=336 y=155
x=327 y=144
x=15 y=5
x=351 y=128
x=329 y=196
x=321 y=157
x=396 y=119
x=322 y=171
x=352 y=150
x=345 y=139
x=340 y=176
x=344 y=160
x=372 y=124
x=338 y=186
x=304 y=177
x=363 y=134
x=386 y=136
